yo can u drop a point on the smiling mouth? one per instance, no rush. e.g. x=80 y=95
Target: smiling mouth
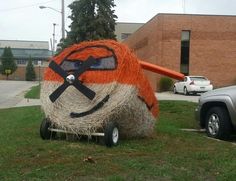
x=95 y=108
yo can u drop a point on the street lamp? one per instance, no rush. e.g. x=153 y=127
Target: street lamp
x=39 y=64
x=53 y=39
x=62 y=16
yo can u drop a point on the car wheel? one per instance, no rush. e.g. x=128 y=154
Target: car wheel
x=44 y=132
x=218 y=123
x=174 y=90
x=185 y=91
x=111 y=136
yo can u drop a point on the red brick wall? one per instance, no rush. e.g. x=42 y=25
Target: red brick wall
x=213 y=49
x=146 y=45
x=212 y=45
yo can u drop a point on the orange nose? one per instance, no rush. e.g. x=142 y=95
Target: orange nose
x=161 y=70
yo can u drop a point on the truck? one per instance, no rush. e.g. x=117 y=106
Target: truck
x=216 y=112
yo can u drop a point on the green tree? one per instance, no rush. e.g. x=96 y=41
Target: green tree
x=91 y=20
x=30 y=73
x=8 y=66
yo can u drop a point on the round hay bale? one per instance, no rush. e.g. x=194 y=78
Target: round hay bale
x=121 y=91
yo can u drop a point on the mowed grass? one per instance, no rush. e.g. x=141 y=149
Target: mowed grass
x=33 y=93
x=171 y=154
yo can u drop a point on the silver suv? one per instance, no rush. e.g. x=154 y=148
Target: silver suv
x=216 y=112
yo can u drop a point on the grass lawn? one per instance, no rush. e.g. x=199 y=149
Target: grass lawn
x=171 y=155
x=33 y=93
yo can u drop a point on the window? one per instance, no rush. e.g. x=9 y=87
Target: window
x=184 y=59
x=35 y=62
x=125 y=35
x=21 y=62
x=198 y=78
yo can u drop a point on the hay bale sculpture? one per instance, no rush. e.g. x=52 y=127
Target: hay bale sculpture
x=98 y=89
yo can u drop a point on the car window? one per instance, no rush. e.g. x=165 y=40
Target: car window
x=198 y=78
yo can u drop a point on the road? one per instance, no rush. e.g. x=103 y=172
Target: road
x=12 y=92
x=177 y=97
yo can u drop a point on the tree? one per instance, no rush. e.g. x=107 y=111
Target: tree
x=91 y=20
x=30 y=73
x=8 y=66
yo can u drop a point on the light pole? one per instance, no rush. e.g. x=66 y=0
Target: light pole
x=63 y=19
x=62 y=16
x=39 y=64
x=53 y=40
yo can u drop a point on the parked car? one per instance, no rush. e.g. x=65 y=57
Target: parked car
x=192 y=84
x=216 y=112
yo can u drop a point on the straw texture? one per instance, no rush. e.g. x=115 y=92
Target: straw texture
x=131 y=95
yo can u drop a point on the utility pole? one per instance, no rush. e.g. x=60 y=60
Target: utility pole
x=63 y=18
x=53 y=39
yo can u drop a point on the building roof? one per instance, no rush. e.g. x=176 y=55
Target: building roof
x=23 y=44
x=180 y=14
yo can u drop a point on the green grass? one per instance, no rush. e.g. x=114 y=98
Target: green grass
x=170 y=155
x=33 y=93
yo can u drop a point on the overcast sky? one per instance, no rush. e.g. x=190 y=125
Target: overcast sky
x=23 y=20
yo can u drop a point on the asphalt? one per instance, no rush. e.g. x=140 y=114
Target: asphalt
x=12 y=94
x=177 y=97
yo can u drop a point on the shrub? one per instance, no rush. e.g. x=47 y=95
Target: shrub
x=8 y=64
x=30 y=73
x=166 y=84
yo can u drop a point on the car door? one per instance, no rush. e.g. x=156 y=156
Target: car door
x=181 y=85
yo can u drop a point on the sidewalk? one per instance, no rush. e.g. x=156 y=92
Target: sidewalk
x=20 y=101
x=12 y=94
x=177 y=97
x=28 y=102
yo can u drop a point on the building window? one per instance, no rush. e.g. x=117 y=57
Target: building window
x=125 y=35
x=21 y=62
x=35 y=62
x=185 y=45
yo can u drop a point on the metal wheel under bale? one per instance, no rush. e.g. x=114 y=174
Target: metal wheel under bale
x=111 y=134
x=45 y=133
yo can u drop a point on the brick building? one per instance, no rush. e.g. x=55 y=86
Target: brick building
x=37 y=51
x=191 y=44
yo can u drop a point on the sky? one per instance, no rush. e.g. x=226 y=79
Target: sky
x=24 y=20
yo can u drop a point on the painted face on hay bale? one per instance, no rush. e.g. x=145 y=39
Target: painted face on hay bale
x=92 y=83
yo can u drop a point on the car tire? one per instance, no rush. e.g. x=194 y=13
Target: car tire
x=174 y=90
x=44 y=132
x=218 y=124
x=111 y=134
x=185 y=91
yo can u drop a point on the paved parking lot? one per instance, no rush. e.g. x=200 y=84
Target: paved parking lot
x=179 y=97
x=12 y=92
